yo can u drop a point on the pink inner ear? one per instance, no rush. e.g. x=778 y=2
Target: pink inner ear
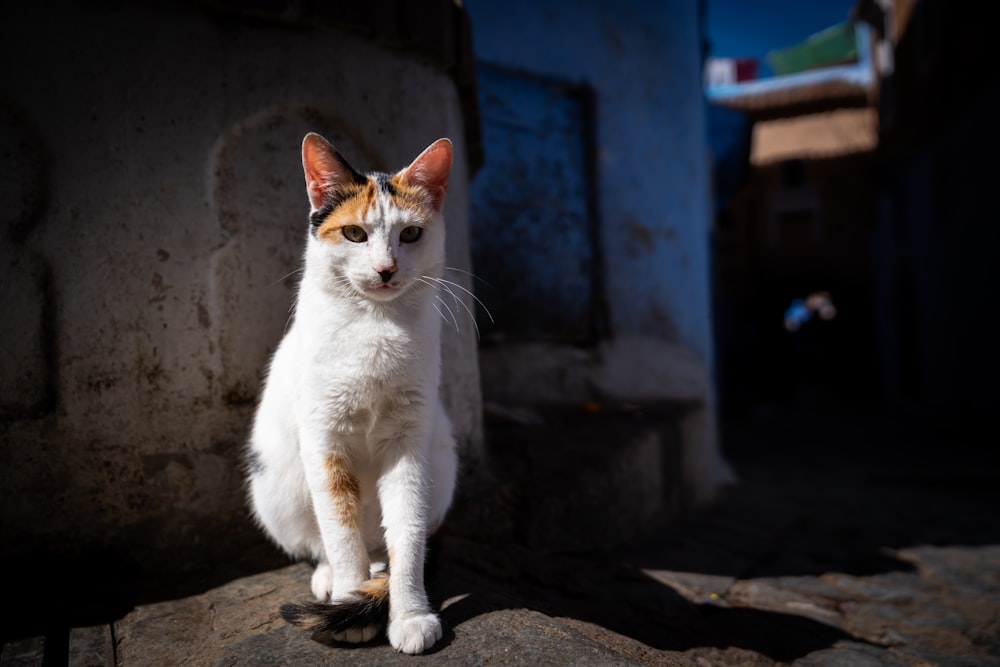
x=324 y=169
x=431 y=170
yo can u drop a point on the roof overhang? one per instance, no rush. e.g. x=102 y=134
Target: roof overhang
x=852 y=85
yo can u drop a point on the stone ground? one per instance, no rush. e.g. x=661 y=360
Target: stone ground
x=852 y=539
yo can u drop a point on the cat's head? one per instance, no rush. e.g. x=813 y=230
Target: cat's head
x=376 y=235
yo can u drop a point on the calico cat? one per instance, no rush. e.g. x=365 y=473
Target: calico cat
x=351 y=460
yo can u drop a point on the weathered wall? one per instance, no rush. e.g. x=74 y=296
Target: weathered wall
x=154 y=218
x=642 y=60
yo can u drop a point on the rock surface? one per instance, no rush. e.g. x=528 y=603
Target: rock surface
x=852 y=545
x=945 y=612
x=238 y=624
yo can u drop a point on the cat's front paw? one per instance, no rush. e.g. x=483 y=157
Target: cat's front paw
x=322 y=582
x=414 y=633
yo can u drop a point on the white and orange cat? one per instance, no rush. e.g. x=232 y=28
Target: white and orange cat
x=351 y=460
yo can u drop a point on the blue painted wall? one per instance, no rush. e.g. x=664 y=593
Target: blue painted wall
x=643 y=61
x=535 y=186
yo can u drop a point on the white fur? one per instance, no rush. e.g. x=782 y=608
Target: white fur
x=357 y=376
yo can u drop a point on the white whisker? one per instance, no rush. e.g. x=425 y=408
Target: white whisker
x=444 y=284
x=440 y=285
x=423 y=279
x=440 y=314
x=453 y=319
x=291 y=316
x=470 y=293
x=468 y=273
x=287 y=275
x=450 y=312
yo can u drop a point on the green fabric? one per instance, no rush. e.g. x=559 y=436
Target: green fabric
x=834 y=46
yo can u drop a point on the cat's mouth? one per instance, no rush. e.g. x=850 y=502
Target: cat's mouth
x=383 y=291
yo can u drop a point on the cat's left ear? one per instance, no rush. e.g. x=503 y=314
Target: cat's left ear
x=325 y=170
x=430 y=170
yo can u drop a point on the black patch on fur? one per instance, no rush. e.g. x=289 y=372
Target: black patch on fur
x=325 y=620
x=317 y=217
x=356 y=176
x=334 y=197
x=384 y=183
x=251 y=460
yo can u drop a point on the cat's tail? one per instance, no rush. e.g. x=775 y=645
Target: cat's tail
x=367 y=607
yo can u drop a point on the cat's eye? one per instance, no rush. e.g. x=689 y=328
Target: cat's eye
x=410 y=234
x=354 y=234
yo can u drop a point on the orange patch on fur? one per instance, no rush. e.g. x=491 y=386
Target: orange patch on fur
x=376 y=588
x=412 y=198
x=358 y=200
x=344 y=489
x=351 y=211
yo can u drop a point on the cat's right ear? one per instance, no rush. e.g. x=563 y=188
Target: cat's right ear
x=325 y=170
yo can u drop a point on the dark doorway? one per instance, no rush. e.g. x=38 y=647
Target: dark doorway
x=534 y=232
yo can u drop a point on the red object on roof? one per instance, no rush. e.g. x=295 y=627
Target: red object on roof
x=746 y=69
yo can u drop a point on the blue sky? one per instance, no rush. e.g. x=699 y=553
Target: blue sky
x=745 y=28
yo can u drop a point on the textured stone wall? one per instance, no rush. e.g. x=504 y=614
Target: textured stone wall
x=154 y=215
x=641 y=60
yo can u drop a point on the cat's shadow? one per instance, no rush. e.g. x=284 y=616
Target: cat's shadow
x=654 y=615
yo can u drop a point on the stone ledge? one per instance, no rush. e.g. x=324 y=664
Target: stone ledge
x=238 y=623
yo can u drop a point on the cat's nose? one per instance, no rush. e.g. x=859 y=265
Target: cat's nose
x=386 y=275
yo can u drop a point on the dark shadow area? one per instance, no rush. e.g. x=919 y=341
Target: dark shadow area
x=823 y=489
x=619 y=599
x=836 y=488
x=52 y=591
x=46 y=596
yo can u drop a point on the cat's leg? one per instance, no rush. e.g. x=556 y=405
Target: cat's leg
x=279 y=496
x=322 y=581
x=403 y=494
x=442 y=461
x=336 y=498
x=378 y=562
x=378 y=557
